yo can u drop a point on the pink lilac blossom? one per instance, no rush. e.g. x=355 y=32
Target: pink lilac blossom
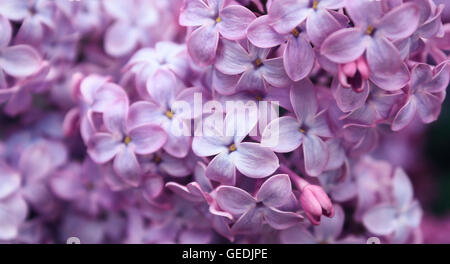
x=102 y=102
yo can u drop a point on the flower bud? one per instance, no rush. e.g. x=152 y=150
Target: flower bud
x=316 y=203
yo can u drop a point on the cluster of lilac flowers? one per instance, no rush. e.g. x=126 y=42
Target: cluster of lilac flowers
x=94 y=145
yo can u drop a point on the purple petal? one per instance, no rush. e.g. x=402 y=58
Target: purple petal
x=387 y=68
x=13 y=211
x=162 y=87
x=274 y=73
x=281 y=220
x=348 y=100
x=298 y=58
x=316 y=155
x=285 y=15
x=5 y=28
x=235 y=20
x=250 y=222
x=120 y=39
x=364 y=13
x=400 y=22
x=428 y=106
x=282 y=135
x=20 y=60
x=234 y=200
x=178 y=141
x=222 y=169
x=251 y=80
x=303 y=100
x=147 y=139
x=195 y=13
x=381 y=219
x=320 y=25
x=262 y=35
x=232 y=58
x=141 y=113
x=103 y=147
x=345 y=45
x=403 y=189
x=331 y=228
x=9 y=180
x=202 y=44
x=297 y=235
x=255 y=161
x=127 y=166
x=275 y=191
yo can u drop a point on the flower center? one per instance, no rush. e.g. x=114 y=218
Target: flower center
x=232 y=147
x=369 y=30
x=301 y=130
x=315 y=4
x=258 y=98
x=295 y=32
x=257 y=63
x=157 y=159
x=218 y=19
x=169 y=114
x=127 y=140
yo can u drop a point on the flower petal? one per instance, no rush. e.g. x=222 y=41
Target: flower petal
x=9 y=180
x=303 y=100
x=380 y=220
x=282 y=135
x=20 y=60
x=127 y=166
x=234 y=200
x=280 y=220
x=345 y=45
x=222 y=169
x=120 y=39
x=315 y=152
x=285 y=15
x=274 y=73
x=232 y=58
x=102 y=147
x=202 y=44
x=235 y=20
x=13 y=212
x=298 y=58
x=348 y=100
x=262 y=35
x=147 y=139
x=194 y=13
x=254 y=160
x=401 y=22
x=387 y=69
x=331 y=228
x=275 y=191
x=403 y=189
x=6 y=29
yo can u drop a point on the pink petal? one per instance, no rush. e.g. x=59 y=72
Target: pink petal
x=162 y=87
x=403 y=189
x=13 y=211
x=232 y=58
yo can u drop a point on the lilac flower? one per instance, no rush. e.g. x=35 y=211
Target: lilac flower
x=36 y=16
x=121 y=142
x=286 y=15
x=212 y=17
x=371 y=34
x=131 y=25
x=164 y=110
x=305 y=129
x=254 y=211
x=251 y=159
x=298 y=57
x=18 y=60
x=426 y=92
x=256 y=71
x=395 y=218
